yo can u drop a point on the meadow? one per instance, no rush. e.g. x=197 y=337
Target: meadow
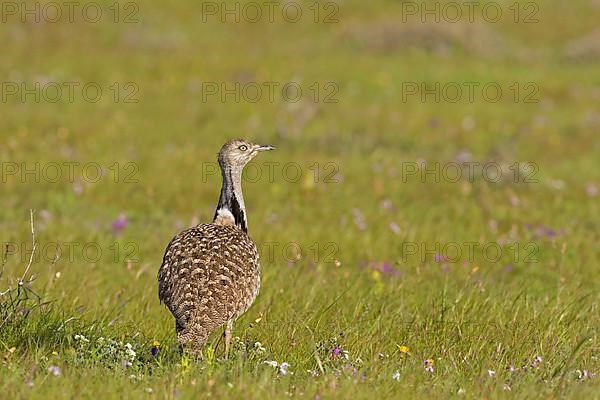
x=428 y=225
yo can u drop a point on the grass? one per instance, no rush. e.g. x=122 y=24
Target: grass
x=345 y=300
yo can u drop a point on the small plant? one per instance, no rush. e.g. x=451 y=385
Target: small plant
x=19 y=299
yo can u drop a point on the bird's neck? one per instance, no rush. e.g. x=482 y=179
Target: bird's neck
x=231 y=209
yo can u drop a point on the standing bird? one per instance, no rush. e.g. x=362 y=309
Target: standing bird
x=210 y=274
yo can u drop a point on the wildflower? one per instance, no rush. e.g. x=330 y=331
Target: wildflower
x=386 y=204
x=491 y=373
x=463 y=156
x=511 y=368
x=283 y=368
x=585 y=374
x=54 y=370
x=119 y=224
x=428 y=364
x=45 y=215
x=130 y=352
x=81 y=338
x=272 y=363
x=259 y=347
x=536 y=362
x=395 y=228
x=359 y=219
x=403 y=349
x=336 y=351
x=125 y=364
x=387 y=268
x=77 y=188
x=396 y=376
x=154 y=348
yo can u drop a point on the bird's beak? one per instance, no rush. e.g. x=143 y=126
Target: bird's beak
x=265 y=147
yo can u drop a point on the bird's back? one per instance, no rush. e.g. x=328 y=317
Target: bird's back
x=210 y=274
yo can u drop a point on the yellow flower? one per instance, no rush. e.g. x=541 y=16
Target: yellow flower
x=54 y=353
x=403 y=349
x=156 y=343
x=376 y=275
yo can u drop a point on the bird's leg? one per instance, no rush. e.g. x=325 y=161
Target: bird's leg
x=227 y=334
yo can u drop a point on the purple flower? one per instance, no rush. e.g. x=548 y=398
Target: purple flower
x=119 y=224
x=77 y=188
x=386 y=204
x=395 y=228
x=463 y=156
x=428 y=364
x=383 y=267
x=54 y=370
x=386 y=268
x=154 y=351
x=359 y=219
x=542 y=231
x=336 y=351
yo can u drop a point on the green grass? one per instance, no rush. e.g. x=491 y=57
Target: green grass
x=353 y=287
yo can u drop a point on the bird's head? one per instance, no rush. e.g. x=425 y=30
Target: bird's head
x=237 y=153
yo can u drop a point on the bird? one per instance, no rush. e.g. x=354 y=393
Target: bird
x=210 y=273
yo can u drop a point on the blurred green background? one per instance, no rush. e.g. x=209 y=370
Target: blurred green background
x=386 y=74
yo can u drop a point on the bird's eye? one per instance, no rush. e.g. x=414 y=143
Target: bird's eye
x=243 y=147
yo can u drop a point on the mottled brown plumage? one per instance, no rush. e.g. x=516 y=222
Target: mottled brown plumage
x=210 y=274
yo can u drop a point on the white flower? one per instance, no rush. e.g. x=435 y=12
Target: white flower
x=396 y=376
x=283 y=368
x=272 y=363
x=536 y=362
x=585 y=374
x=81 y=338
x=491 y=373
x=54 y=370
